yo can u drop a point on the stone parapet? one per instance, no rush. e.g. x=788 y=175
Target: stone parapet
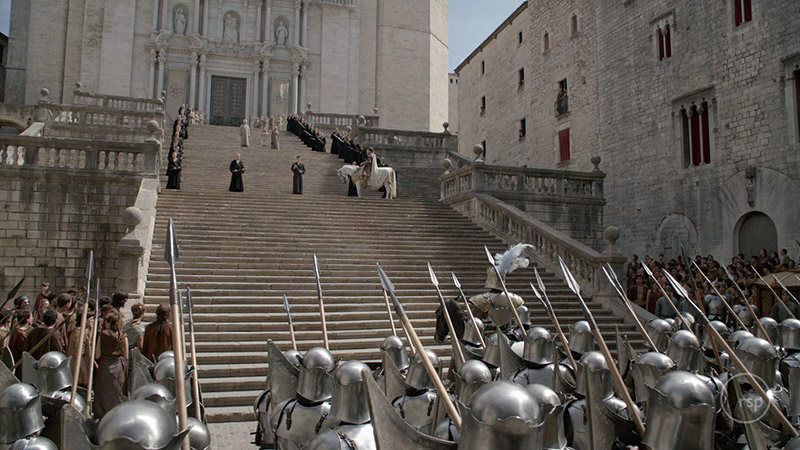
x=408 y=148
x=134 y=248
x=329 y=122
x=117 y=102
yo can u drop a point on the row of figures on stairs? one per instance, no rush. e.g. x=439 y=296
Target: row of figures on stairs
x=36 y=413
x=511 y=385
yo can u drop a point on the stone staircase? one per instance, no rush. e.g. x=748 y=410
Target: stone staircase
x=241 y=252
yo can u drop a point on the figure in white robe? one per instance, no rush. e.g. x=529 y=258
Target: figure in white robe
x=245 y=132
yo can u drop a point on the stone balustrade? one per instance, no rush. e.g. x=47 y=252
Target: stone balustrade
x=341 y=121
x=117 y=102
x=348 y=3
x=408 y=148
x=80 y=155
x=98 y=116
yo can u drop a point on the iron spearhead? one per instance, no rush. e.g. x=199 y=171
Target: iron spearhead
x=12 y=292
x=286 y=303
x=434 y=280
x=388 y=287
x=571 y=283
x=539 y=281
x=171 y=251
x=90 y=266
x=489 y=255
x=316 y=268
x=455 y=280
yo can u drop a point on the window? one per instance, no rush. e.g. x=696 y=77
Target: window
x=563 y=145
x=520 y=37
x=521 y=78
x=546 y=41
x=483 y=105
x=664 y=41
x=742 y=12
x=574 y=24
x=562 y=100
x=695 y=134
x=523 y=129
x=483 y=67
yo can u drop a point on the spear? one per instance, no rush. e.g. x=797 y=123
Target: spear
x=12 y=293
x=612 y=278
x=612 y=365
x=724 y=302
x=432 y=373
x=182 y=331
x=505 y=290
x=747 y=302
x=195 y=375
x=92 y=348
x=669 y=300
x=469 y=310
x=291 y=324
x=43 y=340
x=389 y=310
x=783 y=286
x=778 y=297
x=77 y=370
x=446 y=313
x=321 y=304
x=738 y=362
x=171 y=255
x=548 y=307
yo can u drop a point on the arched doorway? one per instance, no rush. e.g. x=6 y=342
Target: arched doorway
x=676 y=234
x=757 y=231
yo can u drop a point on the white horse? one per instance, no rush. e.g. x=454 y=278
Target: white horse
x=379 y=177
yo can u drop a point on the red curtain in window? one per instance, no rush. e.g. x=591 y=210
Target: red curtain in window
x=747 y=13
x=563 y=144
x=667 y=42
x=694 y=118
x=687 y=150
x=574 y=24
x=660 y=44
x=706 y=135
x=737 y=12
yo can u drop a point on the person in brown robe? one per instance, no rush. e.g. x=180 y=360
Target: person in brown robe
x=40 y=332
x=112 y=362
x=158 y=335
x=16 y=342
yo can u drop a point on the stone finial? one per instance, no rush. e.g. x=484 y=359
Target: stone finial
x=45 y=92
x=78 y=85
x=163 y=93
x=361 y=120
x=596 y=163
x=132 y=217
x=375 y=110
x=447 y=163
x=611 y=234
x=446 y=125
x=349 y=128
x=154 y=128
x=478 y=151
x=308 y=106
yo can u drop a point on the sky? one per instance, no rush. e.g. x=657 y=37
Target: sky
x=5 y=15
x=471 y=22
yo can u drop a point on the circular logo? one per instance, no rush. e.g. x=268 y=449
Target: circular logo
x=740 y=402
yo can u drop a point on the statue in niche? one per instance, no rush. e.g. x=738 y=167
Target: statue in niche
x=281 y=33
x=180 y=22
x=231 y=29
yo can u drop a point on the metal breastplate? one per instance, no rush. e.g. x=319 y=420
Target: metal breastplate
x=577 y=424
x=347 y=437
x=298 y=425
x=447 y=431
x=417 y=410
x=542 y=375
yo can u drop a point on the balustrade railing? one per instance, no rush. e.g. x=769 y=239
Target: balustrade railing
x=100 y=116
x=341 y=121
x=117 y=102
x=80 y=155
x=403 y=138
x=349 y=3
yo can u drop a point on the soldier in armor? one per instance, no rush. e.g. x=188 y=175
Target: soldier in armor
x=646 y=370
x=395 y=349
x=296 y=422
x=157 y=394
x=416 y=405
x=493 y=304
x=537 y=357
x=471 y=377
x=581 y=339
x=138 y=424
x=771 y=327
x=789 y=335
x=53 y=378
x=659 y=331
x=281 y=385
x=349 y=419
x=20 y=413
x=680 y=414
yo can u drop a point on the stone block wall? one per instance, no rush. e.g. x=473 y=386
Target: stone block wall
x=50 y=220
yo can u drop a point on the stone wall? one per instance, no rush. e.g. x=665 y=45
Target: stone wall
x=50 y=220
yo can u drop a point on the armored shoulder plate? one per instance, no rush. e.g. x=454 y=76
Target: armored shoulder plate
x=297 y=424
x=417 y=409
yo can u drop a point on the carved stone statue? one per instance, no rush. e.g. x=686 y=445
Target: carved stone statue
x=281 y=33
x=180 y=22
x=231 y=29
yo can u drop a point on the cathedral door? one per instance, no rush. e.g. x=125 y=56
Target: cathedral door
x=228 y=98
x=757 y=231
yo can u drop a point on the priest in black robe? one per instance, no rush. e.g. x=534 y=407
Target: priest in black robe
x=174 y=171
x=298 y=169
x=237 y=169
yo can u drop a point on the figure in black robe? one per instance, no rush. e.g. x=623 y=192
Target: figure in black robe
x=237 y=169
x=174 y=171
x=298 y=169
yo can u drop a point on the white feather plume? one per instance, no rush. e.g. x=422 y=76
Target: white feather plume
x=512 y=259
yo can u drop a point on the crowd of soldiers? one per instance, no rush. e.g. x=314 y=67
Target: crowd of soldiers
x=704 y=384
x=180 y=132
x=308 y=133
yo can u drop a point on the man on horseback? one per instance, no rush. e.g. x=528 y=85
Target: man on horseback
x=493 y=303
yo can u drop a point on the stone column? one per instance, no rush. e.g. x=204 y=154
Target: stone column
x=258 y=23
x=162 y=62
x=295 y=74
x=196 y=17
x=164 y=14
x=297 y=23
x=155 y=16
x=152 y=79
x=265 y=88
x=303 y=70
x=192 y=79
x=254 y=94
x=305 y=25
x=205 y=17
x=201 y=97
x=268 y=24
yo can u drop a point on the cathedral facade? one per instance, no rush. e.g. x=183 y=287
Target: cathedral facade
x=237 y=59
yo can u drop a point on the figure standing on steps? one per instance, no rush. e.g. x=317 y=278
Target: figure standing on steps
x=237 y=169
x=245 y=132
x=275 y=143
x=298 y=169
x=265 y=132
